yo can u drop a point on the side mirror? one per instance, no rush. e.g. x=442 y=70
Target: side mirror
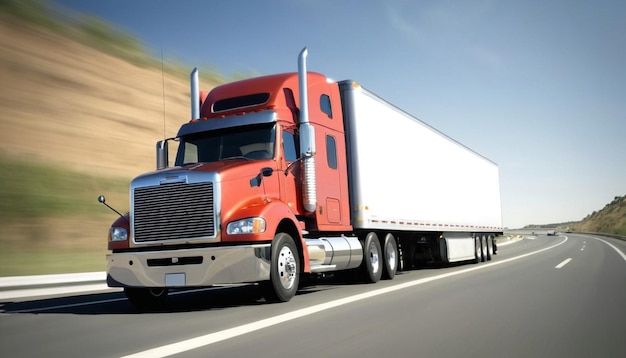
x=267 y=172
x=162 y=154
x=102 y=200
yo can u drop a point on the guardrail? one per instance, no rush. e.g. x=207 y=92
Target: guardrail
x=543 y=230
x=43 y=285
x=39 y=281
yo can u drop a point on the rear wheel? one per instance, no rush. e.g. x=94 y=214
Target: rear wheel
x=371 y=266
x=489 y=247
x=494 y=244
x=483 y=244
x=284 y=270
x=146 y=298
x=390 y=257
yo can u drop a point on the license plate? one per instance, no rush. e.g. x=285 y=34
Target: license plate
x=175 y=279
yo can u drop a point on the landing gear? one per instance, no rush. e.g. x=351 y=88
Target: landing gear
x=478 y=250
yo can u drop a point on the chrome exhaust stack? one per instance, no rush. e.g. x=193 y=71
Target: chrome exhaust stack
x=195 y=94
x=307 y=138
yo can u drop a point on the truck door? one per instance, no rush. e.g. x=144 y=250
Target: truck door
x=333 y=206
x=331 y=195
x=289 y=185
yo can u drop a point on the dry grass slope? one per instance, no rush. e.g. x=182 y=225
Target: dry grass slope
x=92 y=117
x=611 y=219
x=72 y=105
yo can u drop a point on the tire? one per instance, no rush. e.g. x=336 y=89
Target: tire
x=494 y=245
x=284 y=270
x=390 y=257
x=146 y=298
x=489 y=247
x=483 y=245
x=371 y=267
x=478 y=250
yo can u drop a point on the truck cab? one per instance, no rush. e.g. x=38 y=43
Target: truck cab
x=237 y=189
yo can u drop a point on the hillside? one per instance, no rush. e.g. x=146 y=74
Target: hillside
x=75 y=122
x=72 y=105
x=611 y=219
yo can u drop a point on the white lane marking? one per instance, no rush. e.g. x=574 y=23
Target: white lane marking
x=619 y=252
x=208 y=339
x=565 y=262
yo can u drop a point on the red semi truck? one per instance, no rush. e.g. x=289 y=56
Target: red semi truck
x=292 y=174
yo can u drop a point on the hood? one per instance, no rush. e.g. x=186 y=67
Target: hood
x=225 y=170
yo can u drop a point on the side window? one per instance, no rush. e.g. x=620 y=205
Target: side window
x=325 y=105
x=289 y=146
x=331 y=152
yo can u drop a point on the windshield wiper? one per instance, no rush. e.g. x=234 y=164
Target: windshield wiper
x=237 y=157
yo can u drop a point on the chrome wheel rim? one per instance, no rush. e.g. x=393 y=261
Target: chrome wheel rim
x=287 y=267
x=391 y=256
x=374 y=258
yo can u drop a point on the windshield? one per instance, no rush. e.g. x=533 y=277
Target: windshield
x=251 y=143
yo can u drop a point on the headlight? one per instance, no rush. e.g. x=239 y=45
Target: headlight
x=118 y=234
x=246 y=226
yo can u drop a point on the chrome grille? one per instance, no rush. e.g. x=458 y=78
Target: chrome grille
x=174 y=211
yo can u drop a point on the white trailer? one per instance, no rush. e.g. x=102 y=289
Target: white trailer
x=406 y=176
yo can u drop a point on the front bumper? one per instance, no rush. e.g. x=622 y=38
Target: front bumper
x=189 y=267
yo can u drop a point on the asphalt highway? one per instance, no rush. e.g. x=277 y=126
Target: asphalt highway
x=556 y=296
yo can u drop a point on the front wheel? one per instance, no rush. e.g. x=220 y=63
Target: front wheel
x=284 y=270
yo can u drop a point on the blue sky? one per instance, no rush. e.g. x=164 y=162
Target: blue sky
x=539 y=87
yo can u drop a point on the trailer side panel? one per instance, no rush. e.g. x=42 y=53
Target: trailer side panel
x=405 y=175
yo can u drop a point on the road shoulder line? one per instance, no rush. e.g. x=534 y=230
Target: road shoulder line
x=619 y=252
